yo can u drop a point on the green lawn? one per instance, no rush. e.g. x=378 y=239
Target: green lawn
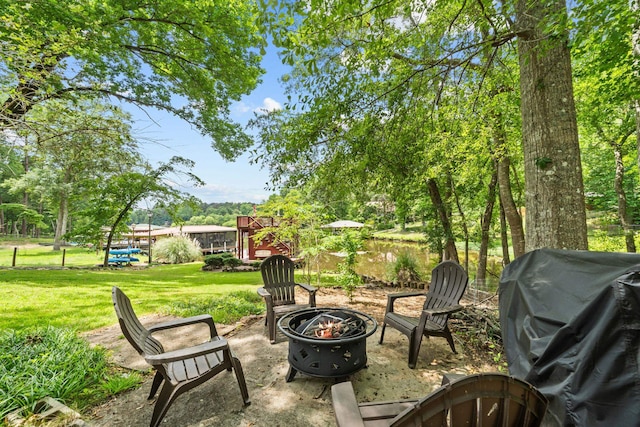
x=40 y=293
x=40 y=255
x=81 y=298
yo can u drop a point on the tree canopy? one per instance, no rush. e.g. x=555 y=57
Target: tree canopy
x=435 y=98
x=191 y=58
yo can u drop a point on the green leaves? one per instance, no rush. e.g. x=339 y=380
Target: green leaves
x=202 y=51
x=47 y=361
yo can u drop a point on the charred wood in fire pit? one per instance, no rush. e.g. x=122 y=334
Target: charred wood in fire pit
x=332 y=325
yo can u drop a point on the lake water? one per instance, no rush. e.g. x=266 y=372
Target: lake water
x=379 y=256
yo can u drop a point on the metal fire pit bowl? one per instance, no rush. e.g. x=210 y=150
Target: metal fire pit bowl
x=336 y=357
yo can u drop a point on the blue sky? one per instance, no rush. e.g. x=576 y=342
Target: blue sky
x=225 y=181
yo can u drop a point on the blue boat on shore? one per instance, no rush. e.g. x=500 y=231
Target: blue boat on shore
x=123 y=256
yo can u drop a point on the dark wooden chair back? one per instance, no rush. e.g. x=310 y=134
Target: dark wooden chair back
x=278 y=290
x=137 y=335
x=487 y=399
x=448 y=283
x=480 y=400
x=278 y=277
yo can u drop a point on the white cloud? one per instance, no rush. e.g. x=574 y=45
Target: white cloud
x=417 y=16
x=268 y=105
x=241 y=107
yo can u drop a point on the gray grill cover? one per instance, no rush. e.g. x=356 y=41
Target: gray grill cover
x=570 y=325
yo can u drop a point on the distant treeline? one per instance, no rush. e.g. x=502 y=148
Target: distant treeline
x=224 y=213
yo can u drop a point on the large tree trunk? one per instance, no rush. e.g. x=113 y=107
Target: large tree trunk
x=554 y=191
x=485 y=225
x=450 y=251
x=509 y=206
x=511 y=212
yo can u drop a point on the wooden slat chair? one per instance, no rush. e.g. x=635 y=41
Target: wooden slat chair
x=279 y=291
x=448 y=283
x=180 y=370
x=476 y=400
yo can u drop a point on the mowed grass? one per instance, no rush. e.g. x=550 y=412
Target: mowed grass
x=35 y=255
x=81 y=298
x=44 y=306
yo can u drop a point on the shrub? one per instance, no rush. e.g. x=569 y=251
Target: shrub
x=36 y=363
x=177 y=250
x=232 y=262
x=349 y=242
x=405 y=269
x=216 y=261
x=348 y=280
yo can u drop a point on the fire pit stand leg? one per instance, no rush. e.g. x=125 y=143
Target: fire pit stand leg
x=292 y=373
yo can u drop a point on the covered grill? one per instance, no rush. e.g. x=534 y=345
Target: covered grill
x=571 y=327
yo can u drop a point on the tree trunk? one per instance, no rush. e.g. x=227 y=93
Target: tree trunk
x=637 y=105
x=2 y=221
x=554 y=191
x=401 y=213
x=502 y=167
x=511 y=212
x=635 y=46
x=485 y=225
x=61 y=223
x=107 y=249
x=506 y=259
x=38 y=230
x=450 y=251
x=623 y=214
x=25 y=196
x=114 y=227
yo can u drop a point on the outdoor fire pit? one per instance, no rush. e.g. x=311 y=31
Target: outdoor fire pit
x=327 y=342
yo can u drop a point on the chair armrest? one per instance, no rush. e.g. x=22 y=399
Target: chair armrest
x=268 y=299
x=312 y=293
x=345 y=405
x=263 y=292
x=203 y=318
x=391 y=298
x=444 y=310
x=307 y=288
x=187 y=353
